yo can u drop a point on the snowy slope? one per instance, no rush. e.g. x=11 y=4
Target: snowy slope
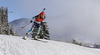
x=11 y=45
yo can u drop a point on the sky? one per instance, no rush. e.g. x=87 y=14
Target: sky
x=29 y=8
x=78 y=19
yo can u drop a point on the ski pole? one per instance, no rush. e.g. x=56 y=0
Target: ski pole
x=23 y=27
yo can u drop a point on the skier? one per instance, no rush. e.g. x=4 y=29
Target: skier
x=38 y=19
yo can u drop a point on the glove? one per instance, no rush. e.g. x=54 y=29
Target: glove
x=42 y=22
x=31 y=21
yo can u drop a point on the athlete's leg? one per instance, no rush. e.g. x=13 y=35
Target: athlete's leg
x=38 y=31
x=32 y=28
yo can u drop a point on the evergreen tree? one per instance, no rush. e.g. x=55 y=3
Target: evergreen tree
x=12 y=30
x=44 y=32
x=74 y=41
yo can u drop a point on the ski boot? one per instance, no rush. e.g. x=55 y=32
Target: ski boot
x=25 y=37
x=35 y=38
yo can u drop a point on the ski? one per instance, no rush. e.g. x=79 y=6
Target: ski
x=35 y=39
x=40 y=40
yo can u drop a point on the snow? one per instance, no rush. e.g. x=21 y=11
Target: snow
x=14 y=45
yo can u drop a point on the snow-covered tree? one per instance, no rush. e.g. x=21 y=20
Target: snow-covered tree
x=74 y=41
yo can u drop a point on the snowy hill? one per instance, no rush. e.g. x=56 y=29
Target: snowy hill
x=11 y=45
x=17 y=24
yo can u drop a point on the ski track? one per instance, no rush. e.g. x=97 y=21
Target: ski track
x=10 y=45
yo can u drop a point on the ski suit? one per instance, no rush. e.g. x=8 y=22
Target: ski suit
x=36 y=23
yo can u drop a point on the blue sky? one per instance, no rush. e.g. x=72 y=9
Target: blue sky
x=12 y=6
x=30 y=8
